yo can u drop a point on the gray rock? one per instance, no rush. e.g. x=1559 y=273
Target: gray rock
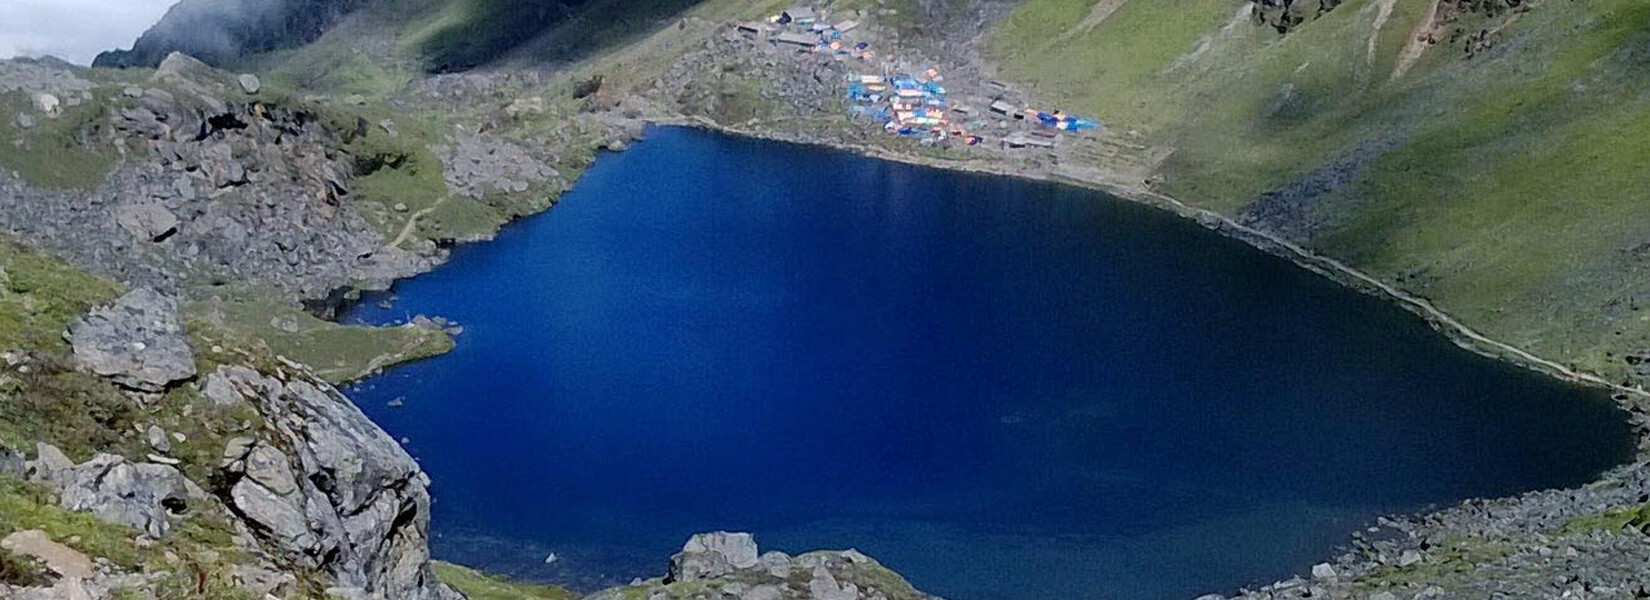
x=1409 y=558
x=824 y=586
x=250 y=83
x=145 y=496
x=287 y=323
x=157 y=438
x=1323 y=571
x=48 y=104
x=222 y=393
x=762 y=592
x=148 y=221
x=49 y=462
x=25 y=122
x=777 y=564
x=12 y=464
x=275 y=517
x=345 y=499
x=270 y=468
x=711 y=555
x=264 y=582
x=236 y=449
x=219 y=163
x=138 y=341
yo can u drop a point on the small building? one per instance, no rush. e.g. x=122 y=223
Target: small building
x=799 y=16
x=963 y=110
x=752 y=27
x=998 y=84
x=797 y=39
x=1021 y=140
x=847 y=26
x=1004 y=108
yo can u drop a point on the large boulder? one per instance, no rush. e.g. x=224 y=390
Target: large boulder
x=711 y=555
x=343 y=498
x=728 y=566
x=250 y=83
x=148 y=221
x=146 y=496
x=138 y=341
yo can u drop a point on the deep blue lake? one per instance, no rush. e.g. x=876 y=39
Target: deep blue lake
x=1005 y=390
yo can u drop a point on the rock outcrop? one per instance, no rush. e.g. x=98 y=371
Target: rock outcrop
x=727 y=566
x=138 y=341
x=219 y=186
x=145 y=496
x=712 y=555
x=221 y=31
x=342 y=498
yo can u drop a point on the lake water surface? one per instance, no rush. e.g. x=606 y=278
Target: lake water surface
x=1005 y=390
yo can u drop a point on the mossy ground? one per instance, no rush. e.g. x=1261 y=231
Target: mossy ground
x=1613 y=520
x=55 y=152
x=1451 y=557
x=337 y=353
x=480 y=586
x=46 y=399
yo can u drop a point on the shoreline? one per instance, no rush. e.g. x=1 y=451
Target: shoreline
x=1461 y=334
x=1630 y=401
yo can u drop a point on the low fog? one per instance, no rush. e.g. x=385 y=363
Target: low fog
x=74 y=30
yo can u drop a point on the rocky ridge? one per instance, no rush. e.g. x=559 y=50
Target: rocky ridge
x=311 y=485
x=728 y=566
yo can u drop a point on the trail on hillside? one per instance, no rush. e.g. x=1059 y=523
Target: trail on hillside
x=412 y=222
x=1419 y=40
x=1381 y=18
x=1102 y=10
x=1208 y=42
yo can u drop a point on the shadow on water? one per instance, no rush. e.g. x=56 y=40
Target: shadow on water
x=1003 y=389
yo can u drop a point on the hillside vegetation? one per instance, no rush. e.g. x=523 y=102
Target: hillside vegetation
x=1485 y=156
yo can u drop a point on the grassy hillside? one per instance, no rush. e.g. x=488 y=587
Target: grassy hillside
x=1496 y=171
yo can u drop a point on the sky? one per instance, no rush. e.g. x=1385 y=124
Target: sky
x=74 y=30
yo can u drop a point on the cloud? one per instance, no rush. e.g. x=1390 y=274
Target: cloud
x=74 y=30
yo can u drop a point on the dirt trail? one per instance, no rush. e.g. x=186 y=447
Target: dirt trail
x=1419 y=40
x=1097 y=15
x=412 y=222
x=1381 y=18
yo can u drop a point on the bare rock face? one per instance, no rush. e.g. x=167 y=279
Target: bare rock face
x=138 y=341
x=145 y=496
x=711 y=555
x=344 y=499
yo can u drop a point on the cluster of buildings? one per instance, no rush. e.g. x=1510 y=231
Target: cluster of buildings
x=907 y=104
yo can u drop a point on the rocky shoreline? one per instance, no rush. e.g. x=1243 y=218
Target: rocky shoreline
x=1405 y=542
x=209 y=194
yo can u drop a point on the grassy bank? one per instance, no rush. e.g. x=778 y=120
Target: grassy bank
x=1498 y=179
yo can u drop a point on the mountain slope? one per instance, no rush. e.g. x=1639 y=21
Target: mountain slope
x=1476 y=154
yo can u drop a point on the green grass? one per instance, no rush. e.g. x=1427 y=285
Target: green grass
x=1452 y=557
x=40 y=295
x=337 y=353
x=193 y=562
x=480 y=586
x=1507 y=188
x=1613 y=520
x=55 y=153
